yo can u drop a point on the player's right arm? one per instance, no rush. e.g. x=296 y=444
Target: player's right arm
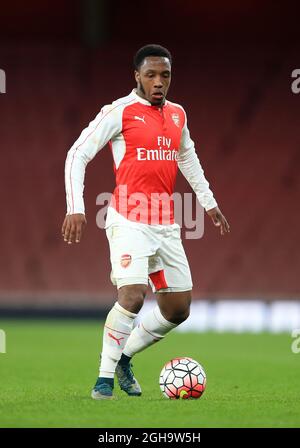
x=73 y=227
x=103 y=128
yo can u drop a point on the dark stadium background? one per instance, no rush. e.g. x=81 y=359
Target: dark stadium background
x=232 y=72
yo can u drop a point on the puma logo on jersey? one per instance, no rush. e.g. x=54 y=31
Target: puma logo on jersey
x=115 y=339
x=140 y=118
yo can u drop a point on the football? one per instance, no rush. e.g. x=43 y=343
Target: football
x=182 y=378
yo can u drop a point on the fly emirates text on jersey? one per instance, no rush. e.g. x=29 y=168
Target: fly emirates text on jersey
x=163 y=152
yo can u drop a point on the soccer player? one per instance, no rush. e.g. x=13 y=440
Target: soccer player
x=149 y=139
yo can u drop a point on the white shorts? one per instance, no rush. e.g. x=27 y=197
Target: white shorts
x=140 y=253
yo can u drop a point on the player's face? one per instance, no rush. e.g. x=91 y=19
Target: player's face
x=153 y=79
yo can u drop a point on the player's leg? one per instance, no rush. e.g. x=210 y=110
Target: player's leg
x=172 y=309
x=174 y=306
x=171 y=280
x=117 y=328
x=130 y=274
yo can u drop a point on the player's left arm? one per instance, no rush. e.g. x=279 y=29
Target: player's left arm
x=219 y=220
x=189 y=165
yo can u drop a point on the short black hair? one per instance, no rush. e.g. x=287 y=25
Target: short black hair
x=150 y=50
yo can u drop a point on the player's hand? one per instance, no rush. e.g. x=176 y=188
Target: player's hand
x=219 y=220
x=73 y=227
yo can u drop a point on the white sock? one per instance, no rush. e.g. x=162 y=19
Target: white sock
x=117 y=328
x=151 y=329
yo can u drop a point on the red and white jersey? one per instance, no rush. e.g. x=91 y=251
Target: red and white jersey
x=148 y=144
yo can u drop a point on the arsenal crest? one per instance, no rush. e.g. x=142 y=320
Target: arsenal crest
x=175 y=118
x=125 y=260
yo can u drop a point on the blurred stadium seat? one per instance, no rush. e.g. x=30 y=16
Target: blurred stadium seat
x=246 y=131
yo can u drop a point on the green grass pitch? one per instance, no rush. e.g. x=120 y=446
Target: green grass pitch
x=50 y=367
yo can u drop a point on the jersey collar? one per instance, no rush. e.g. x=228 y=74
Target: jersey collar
x=142 y=100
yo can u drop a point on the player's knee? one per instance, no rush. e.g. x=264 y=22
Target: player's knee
x=180 y=316
x=131 y=297
x=177 y=315
x=175 y=307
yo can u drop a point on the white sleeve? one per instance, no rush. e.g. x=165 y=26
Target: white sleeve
x=104 y=127
x=191 y=168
